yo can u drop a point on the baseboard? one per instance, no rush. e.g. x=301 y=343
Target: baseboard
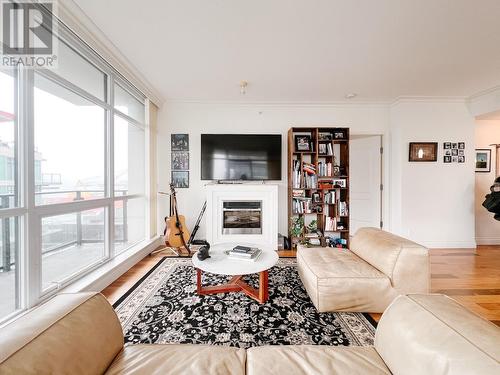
x=488 y=240
x=449 y=244
x=110 y=271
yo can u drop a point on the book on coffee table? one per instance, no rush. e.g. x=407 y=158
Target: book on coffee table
x=251 y=255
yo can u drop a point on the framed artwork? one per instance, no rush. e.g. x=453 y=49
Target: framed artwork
x=179 y=142
x=180 y=161
x=423 y=151
x=340 y=182
x=303 y=143
x=339 y=134
x=180 y=179
x=483 y=160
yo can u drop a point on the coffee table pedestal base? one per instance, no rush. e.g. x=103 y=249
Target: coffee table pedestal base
x=236 y=284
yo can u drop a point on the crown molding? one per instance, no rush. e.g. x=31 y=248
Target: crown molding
x=323 y=104
x=483 y=92
x=81 y=24
x=278 y=104
x=429 y=99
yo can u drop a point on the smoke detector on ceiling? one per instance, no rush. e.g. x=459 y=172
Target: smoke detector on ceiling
x=351 y=95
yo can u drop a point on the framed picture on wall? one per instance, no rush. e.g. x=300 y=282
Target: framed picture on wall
x=483 y=160
x=180 y=179
x=423 y=151
x=179 y=142
x=180 y=160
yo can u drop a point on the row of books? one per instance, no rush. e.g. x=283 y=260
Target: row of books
x=325 y=169
x=329 y=198
x=332 y=224
x=302 y=205
x=329 y=150
x=310 y=181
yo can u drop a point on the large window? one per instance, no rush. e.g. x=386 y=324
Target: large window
x=69 y=144
x=72 y=173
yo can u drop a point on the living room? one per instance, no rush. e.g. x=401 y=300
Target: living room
x=271 y=186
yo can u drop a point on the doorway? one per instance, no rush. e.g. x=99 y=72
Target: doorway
x=366 y=186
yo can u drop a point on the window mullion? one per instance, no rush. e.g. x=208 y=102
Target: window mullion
x=111 y=169
x=30 y=231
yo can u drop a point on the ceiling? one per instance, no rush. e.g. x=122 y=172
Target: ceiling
x=306 y=50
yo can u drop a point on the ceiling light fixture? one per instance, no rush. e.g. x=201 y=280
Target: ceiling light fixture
x=243 y=87
x=351 y=95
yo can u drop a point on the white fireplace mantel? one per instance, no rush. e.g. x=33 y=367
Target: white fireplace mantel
x=266 y=193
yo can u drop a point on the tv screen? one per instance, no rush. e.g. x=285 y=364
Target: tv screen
x=240 y=157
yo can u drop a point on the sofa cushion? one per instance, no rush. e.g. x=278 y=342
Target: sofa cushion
x=433 y=334
x=69 y=334
x=310 y=360
x=382 y=249
x=179 y=359
x=339 y=280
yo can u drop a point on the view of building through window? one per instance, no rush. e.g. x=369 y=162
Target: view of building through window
x=75 y=130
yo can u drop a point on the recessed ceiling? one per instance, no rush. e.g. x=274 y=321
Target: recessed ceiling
x=306 y=50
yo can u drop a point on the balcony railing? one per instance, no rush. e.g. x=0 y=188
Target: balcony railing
x=68 y=234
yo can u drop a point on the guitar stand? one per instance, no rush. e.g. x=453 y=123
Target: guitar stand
x=176 y=250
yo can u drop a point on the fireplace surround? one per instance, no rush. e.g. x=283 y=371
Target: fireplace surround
x=246 y=213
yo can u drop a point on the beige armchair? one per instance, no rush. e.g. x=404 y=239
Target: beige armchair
x=377 y=268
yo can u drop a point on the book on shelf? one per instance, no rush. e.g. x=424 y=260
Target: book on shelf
x=343 y=211
x=329 y=149
x=298 y=193
x=330 y=224
x=296 y=174
x=329 y=197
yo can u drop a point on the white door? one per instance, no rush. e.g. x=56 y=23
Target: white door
x=365 y=182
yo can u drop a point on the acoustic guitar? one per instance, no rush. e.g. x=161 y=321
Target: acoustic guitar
x=176 y=232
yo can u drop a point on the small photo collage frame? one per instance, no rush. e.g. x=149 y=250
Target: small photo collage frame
x=179 y=160
x=453 y=152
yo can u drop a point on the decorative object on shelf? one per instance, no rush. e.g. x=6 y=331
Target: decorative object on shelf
x=303 y=143
x=180 y=179
x=339 y=134
x=423 y=151
x=454 y=152
x=483 y=160
x=340 y=182
x=324 y=136
x=296 y=226
x=312 y=227
x=179 y=142
x=180 y=161
x=316 y=197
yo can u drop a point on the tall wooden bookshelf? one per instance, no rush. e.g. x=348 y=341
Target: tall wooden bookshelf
x=318 y=184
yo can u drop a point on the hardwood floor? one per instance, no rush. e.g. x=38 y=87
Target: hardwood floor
x=472 y=277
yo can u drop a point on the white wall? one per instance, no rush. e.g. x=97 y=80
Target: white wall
x=433 y=203
x=487 y=228
x=198 y=118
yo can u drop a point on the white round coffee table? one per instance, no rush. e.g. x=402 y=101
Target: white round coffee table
x=220 y=263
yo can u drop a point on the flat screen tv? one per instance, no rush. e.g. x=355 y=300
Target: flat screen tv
x=241 y=156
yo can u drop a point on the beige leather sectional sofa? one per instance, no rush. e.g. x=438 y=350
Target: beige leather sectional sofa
x=418 y=334
x=377 y=268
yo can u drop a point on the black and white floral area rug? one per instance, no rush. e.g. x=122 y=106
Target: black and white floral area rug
x=164 y=308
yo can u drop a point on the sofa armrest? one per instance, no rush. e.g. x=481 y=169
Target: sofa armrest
x=434 y=335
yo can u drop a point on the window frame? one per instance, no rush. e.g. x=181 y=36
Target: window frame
x=30 y=215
